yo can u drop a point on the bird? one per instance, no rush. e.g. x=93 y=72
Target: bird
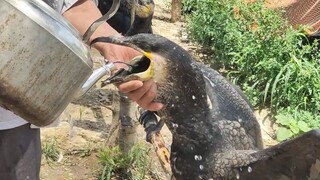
x=133 y=16
x=215 y=134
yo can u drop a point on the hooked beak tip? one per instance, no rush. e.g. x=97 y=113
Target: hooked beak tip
x=105 y=83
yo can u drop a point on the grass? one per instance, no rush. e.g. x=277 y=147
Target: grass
x=50 y=149
x=133 y=165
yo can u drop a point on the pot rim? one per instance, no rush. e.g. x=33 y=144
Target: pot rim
x=55 y=24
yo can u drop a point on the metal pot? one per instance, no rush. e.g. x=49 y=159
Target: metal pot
x=43 y=62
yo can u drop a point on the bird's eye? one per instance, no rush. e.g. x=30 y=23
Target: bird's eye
x=147 y=48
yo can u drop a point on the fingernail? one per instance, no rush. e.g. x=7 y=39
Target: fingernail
x=160 y=106
x=139 y=83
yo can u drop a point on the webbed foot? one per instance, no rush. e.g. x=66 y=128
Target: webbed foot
x=150 y=123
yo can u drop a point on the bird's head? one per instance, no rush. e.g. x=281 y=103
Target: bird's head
x=152 y=64
x=144 y=8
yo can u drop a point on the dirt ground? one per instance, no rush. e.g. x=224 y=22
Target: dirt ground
x=86 y=124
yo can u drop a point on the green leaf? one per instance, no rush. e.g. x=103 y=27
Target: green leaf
x=294 y=127
x=283 y=119
x=266 y=91
x=274 y=86
x=303 y=126
x=283 y=134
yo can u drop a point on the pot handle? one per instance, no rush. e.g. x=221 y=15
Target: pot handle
x=94 y=77
x=114 y=8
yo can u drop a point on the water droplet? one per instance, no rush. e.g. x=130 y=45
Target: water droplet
x=249 y=169
x=241 y=169
x=176 y=170
x=175 y=126
x=172 y=105
x=201 y=167
x=238 y=176
x=177 y=97
x=174 y=159
x=198 y=157
x=200 y=177
x=193 y=97
x=240 y=120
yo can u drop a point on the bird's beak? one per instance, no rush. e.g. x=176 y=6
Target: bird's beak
x=147 y=54
x=122 y=41
x=139 y=68
x=145 y=9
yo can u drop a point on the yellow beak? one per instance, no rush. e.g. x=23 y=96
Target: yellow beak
x=148 y=74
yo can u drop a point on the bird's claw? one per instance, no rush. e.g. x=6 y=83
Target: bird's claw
x=150 y=123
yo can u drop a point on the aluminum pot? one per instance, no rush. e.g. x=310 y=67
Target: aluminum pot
x=43 y=61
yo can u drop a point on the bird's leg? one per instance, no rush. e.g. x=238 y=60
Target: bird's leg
x=150 y=123
x=152 y=127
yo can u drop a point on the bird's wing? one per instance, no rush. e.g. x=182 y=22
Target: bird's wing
x=295 y=159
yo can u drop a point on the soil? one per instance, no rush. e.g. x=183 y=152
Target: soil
x=88 y=123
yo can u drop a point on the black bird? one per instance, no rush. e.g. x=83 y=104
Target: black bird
x=215 y=133
x=143 y=13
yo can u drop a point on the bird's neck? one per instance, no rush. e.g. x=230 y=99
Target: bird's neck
x=181 y=88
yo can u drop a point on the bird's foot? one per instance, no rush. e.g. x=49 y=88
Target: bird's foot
x=150 y=123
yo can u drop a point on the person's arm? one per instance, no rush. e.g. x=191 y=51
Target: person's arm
x=81 y=15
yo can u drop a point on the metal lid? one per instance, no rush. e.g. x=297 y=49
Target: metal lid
x=55 y=24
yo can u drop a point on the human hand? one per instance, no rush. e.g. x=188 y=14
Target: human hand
x=144 y=93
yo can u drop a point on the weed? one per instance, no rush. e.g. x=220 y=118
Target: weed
x=126 y=166
x=87 y=151
x=50 y=149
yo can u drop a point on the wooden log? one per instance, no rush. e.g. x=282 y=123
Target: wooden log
x=162 y=152
x=176 y=8
x=128 y=124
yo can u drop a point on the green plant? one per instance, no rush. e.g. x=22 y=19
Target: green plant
x=295 y=122
x=290 y=127
x=86 y=151
x=274 y=63
x=50 y=149
x=127 y=166
x=188 y=6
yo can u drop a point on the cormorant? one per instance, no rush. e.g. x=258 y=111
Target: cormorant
x=215 y=133
x=121 y=21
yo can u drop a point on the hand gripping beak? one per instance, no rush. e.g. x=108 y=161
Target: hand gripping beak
x=139 y=68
